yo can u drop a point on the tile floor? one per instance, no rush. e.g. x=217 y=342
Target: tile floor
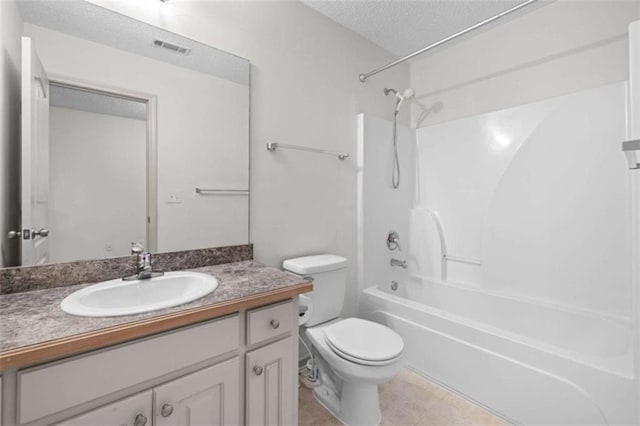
x=409 y=399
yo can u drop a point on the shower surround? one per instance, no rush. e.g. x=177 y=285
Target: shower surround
x=517 y=235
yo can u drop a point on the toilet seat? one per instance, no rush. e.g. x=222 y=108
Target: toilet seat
x=364 y=342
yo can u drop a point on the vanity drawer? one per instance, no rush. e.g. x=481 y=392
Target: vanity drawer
x=123 y=412
x=54 y=387
x=270 y=321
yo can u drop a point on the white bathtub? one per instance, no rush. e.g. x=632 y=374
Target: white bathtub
x=530 y=362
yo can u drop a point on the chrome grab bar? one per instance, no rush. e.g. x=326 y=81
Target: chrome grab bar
x=272 y=146
x=221 y=191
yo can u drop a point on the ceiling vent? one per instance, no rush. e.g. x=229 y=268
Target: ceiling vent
x=172 y=47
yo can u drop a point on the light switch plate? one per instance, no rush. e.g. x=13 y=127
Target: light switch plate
x=174 y=197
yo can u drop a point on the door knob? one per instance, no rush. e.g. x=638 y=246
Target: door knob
x=257 y=370
x=140 y=420
x=12 y=235
x=43 y=232
x=166 y=410
x=275 y=323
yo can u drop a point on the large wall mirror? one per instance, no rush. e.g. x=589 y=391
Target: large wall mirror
x=136 y=135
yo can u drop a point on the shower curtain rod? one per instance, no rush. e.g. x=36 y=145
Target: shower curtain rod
x=364 y=77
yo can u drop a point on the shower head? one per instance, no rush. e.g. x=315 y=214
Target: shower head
x=400 y=98
x=407 y=94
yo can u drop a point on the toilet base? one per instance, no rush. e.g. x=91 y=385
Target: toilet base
x=354 y=407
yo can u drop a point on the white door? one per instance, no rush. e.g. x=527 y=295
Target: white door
x=209 y=397
x=271 y=384
x=34 y=249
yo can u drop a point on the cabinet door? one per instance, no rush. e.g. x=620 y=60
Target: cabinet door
x=270 y=384
x=206 y=397
x=132 y=411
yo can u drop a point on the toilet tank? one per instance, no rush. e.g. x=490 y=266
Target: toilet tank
x=329 y=274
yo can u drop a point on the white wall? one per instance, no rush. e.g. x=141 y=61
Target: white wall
x=381 y=207
x=634 y=133
x=97 y=186
x=202 y=128
x=10 y=57
x=540 y=197
x=304 y=90
x=561 y=48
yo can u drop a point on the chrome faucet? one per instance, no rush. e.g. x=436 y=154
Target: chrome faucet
x=393 y=241
x=143 y=264
x=400 y=263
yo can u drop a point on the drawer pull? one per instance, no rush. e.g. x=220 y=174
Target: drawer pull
x=166 y=410
x=257 y=370
x=140 y=420
x=275 y=323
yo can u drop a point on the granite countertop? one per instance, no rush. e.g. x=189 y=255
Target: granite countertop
x=34 y=317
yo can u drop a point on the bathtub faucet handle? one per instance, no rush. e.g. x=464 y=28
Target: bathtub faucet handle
x=393 y=241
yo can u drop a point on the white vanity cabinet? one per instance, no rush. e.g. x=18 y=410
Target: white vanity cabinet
x=234 y=370
x=49 y=390
x=134 y=411
x=207 y=397
x=271 y=383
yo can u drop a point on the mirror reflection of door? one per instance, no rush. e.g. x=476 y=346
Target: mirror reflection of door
x=198 y=138
x=34 y=210
x=98 y=202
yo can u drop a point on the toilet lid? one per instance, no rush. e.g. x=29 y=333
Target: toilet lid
x=361 y=361
x=361 y=340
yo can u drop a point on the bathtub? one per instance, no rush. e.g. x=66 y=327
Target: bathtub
x=527 y=361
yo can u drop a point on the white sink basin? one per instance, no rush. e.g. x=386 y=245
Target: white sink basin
x=118 y=297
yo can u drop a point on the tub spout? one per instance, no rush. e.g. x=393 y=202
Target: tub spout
x=400 y=263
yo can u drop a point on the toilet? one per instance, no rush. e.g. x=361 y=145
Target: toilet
x=353 y=355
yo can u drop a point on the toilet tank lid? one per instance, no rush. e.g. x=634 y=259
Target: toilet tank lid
x=314 y=264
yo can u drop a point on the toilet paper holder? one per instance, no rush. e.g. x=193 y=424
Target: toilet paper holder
x=305 y=309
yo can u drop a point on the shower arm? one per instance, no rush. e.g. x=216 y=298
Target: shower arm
x=365 y=76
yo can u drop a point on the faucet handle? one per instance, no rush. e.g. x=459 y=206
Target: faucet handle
x=393 y=241
x=136 y=248
x=144 y=260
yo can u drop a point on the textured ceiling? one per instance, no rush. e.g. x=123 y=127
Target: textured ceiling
x=94 y=23
x=404 y=26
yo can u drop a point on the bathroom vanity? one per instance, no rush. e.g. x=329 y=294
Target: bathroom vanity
x=228 y=358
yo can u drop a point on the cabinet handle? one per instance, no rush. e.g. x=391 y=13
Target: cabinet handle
x=275 y=323
x=140 y=420
x=257 y=370
x=166 y=410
